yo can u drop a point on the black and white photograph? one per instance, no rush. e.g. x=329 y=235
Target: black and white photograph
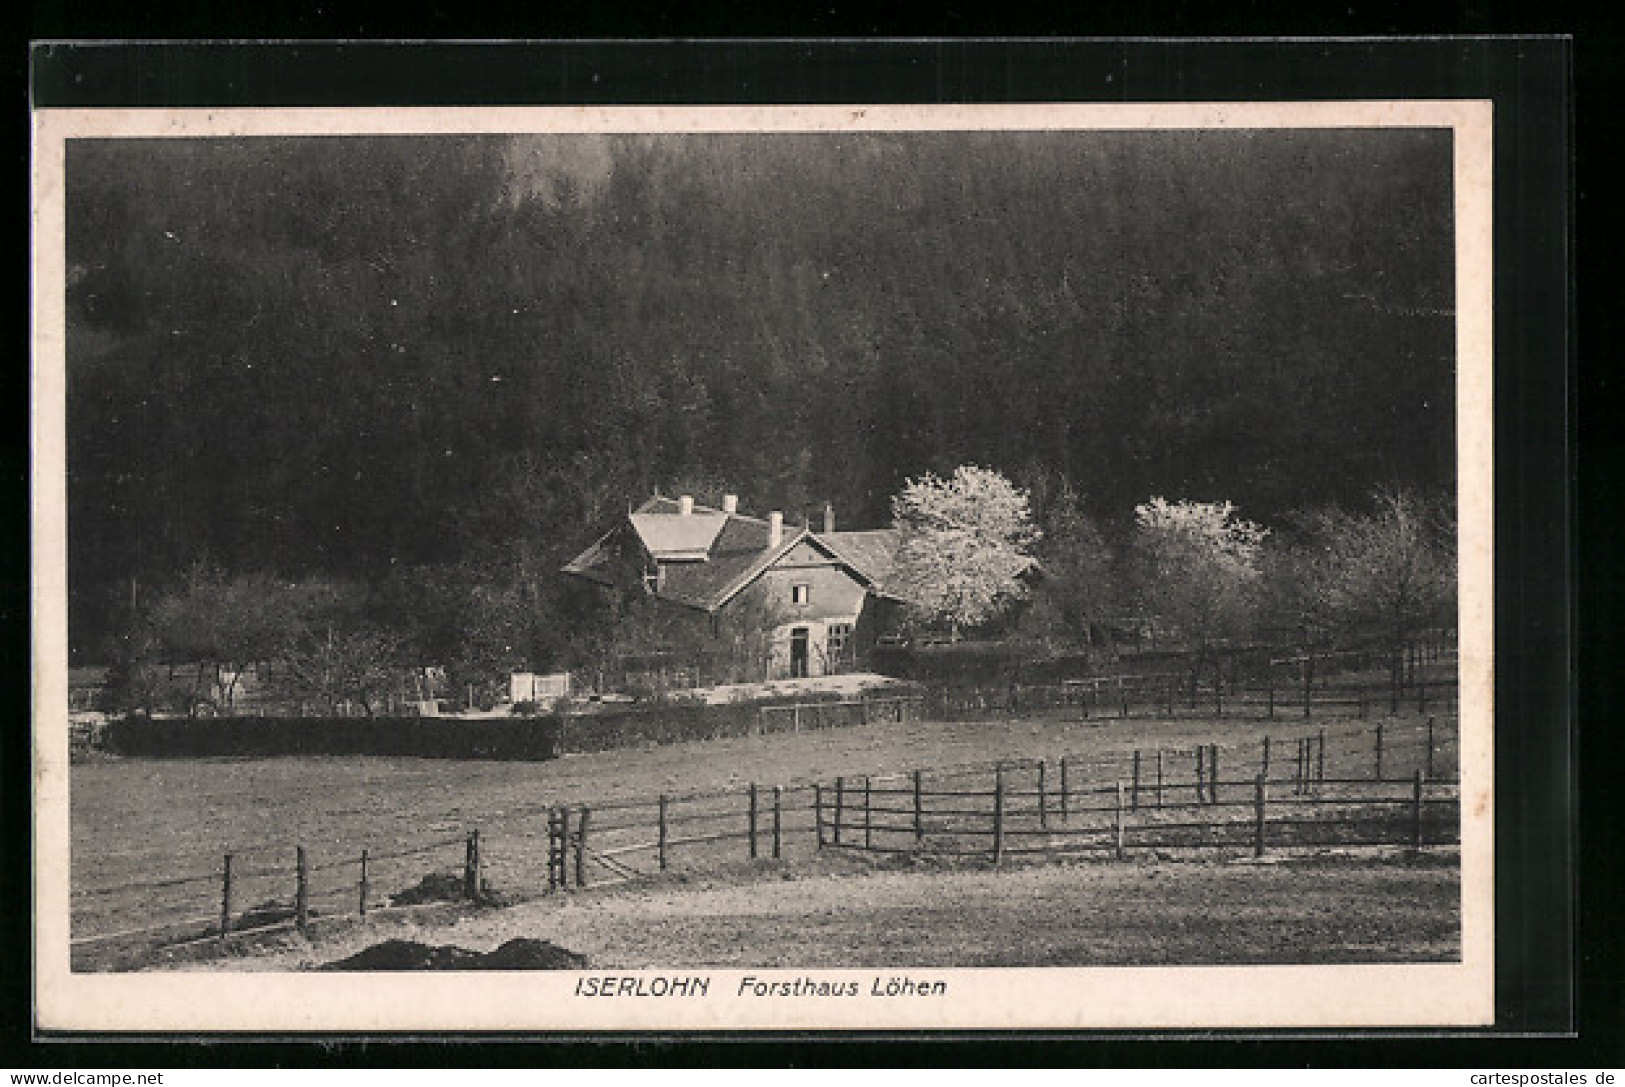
x=916 y=567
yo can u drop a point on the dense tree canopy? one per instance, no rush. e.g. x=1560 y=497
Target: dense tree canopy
x=967 y=541
x=351 y=357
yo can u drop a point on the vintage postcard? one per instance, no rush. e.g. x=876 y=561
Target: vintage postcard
x=785 y=568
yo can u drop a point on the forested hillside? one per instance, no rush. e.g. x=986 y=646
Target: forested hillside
x=451 y=359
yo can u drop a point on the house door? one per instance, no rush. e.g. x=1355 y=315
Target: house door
x=798 y=653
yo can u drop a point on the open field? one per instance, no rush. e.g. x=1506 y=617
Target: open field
x=1153 y=912
x=145 y=821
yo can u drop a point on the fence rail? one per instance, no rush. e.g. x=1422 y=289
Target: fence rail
x=1328 y=783
x=1166 y=695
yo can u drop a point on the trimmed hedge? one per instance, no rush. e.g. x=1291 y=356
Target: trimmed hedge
x=674 y=723
x=667 y=724
x=969 y=664
x=518 y=738
x=510 y=738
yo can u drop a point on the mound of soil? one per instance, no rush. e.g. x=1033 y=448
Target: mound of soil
x=521 y=954
x=526 y=954
x=405 y=955
x=435 y=887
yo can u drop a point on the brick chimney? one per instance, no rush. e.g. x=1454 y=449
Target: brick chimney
x=685 y=505
x=730 y=503
x=829 y=518
x=775 y=528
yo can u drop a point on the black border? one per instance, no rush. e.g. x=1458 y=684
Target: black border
x=1529 y=82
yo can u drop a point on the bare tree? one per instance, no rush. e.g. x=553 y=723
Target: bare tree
x=1391 y=570
x=224 y=625
x=333 y=665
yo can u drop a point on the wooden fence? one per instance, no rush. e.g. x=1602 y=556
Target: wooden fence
x=1342 y=783
x=265 y=889
x=843 y=713
x=1303 y=685
x=1190 y=799
x=1343 y=778
x=599 y=845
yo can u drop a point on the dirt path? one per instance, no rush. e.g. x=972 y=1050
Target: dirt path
x=1325 y=909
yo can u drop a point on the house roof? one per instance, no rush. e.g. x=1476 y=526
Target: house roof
x=871 y=552
x=670 y=538
x=708 y=556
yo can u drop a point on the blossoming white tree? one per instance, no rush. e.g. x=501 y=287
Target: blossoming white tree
x=1198 y=569
x=966 y=542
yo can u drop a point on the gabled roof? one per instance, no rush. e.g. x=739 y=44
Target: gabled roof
x=870 y=552
x=670 y=538
x=708 y=556
x=738 y=555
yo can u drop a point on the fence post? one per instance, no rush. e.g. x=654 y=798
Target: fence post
x=1320 y=759
x=1043 y=794
x=1430 y=749
x=1159 y=777
x=1118 y=821
x=1260 y=798
x=301 y=894
x=566 y=842
x=998 y=815
x=919 y=808
x=1201 y=774
x=1416 y=811
x=818 y=812
x=1297 y=770
x=663 y=833
x=753 y=820
x=1379 y=750
x=778 y=821
x=868 y=818
x=1212 y=773
x=225 y=896
x=471 y=866
x=555 y=851
x=840 y=802
x=1134 y=793
x=363 y=891
x=581 y=845
x=1122 y=696
x=1264 y=760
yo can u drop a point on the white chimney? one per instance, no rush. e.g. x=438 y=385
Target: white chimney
x=685 y=505
x=775 y=528
x=829 y=518
x=730 y=503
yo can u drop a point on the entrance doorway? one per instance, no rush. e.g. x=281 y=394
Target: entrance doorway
x=798 y=653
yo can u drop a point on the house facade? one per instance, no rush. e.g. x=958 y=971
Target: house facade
x=818 y=599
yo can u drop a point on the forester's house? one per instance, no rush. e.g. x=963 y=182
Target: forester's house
x=823 y=595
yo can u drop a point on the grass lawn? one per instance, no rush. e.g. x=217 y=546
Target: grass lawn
x=1309 y=909
x=140 y=821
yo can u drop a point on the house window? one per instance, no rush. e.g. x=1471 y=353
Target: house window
x=838 y=643
x=801 y=594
